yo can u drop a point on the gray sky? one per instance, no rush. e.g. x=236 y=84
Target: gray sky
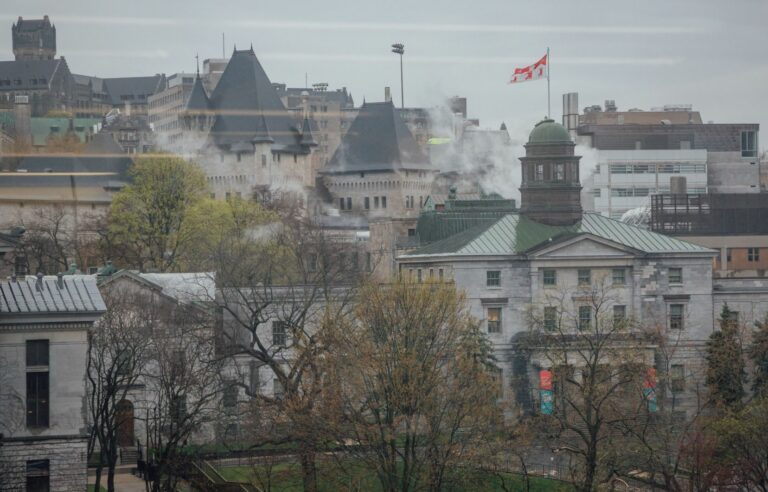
x=708 y=53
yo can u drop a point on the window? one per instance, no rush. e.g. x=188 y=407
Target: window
x=440 y=273
x=493 y=278
x=550 y=318
x=349 y=203
x=277 y=389
x=494 y=320
x=585 y=276
x=677 y=378
x=675 y=275
x=619 y=276
x=279 y=335
x=263 y=160
x=619 y=314
x=375 y=202
x=368 y=262
x=559 y=172
x=748 y=147
x=37 y=399
x=342 y=203
x=418 y=275
x=676 y=312
x=585 y=317
x=37 y=353
x=383 y=202
x=753 y=254
x=550 y=277
x=38 y=476
x=312 y=262
x=229 y=398
x=728 y=255
x=539 y=172
x=178 y=409
x=254 y=381
x=367 y=203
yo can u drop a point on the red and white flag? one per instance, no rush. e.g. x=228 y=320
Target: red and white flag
x=538 y=70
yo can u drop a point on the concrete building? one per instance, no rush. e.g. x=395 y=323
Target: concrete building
x=734 y=225
x=329 y=111
x=247 y=142
x=44 y=323
x=132 y=133
x=636 y=152
x=548 y=259
x=77 y=188
x=166 y=107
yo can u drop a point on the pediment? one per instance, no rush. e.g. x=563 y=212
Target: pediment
x=583 y=246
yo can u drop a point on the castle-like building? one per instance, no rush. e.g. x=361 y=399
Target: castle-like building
x=243 y=136
x=34 y=39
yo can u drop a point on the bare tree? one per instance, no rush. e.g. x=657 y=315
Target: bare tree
x=117 y=353
x=277 y=284
x=416 y=382
x=183 y=381
x=598 y=359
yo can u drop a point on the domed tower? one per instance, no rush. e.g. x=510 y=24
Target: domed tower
x=551 y=191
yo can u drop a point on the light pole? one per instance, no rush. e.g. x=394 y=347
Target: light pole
x=399 y=48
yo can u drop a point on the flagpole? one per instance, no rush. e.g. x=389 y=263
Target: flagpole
x=549 y=105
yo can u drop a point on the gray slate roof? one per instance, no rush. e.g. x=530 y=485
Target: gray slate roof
x=248 y=110
x=76 y=294
x=133 y=86
x=26 y=71
x=377 y=140
x=515 y=234
x=198 y=100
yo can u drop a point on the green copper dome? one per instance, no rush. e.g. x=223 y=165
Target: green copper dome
x=547 y=131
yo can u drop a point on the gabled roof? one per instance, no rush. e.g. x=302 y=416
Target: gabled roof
x=514 y=234
x=133 y=87
x=248 y=110
x=27 y=71
x=377 y=140
x=68 y=294
x=185 y=288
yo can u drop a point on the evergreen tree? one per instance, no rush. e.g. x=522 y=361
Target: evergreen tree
x=726 y=372
x=758 y=353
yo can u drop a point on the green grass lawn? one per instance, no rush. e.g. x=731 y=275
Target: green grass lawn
x=92 y=488
x=348 y=476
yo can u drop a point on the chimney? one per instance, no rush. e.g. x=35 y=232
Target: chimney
x=387 y=95
x=39 y=282
x=571 y=111
x=60 y=280
x=678 y=185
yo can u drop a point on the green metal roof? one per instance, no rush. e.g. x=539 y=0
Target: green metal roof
x=514 y=234
x=547 y=131
x=41 y=128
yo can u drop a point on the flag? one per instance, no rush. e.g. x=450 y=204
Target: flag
x=538 y=70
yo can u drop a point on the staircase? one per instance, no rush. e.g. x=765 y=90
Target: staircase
x=129 y=456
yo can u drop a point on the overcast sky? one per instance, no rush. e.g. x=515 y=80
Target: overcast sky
x=708 y=53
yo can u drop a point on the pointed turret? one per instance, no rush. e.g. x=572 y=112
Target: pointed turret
x=307 y=139
x=198 y=99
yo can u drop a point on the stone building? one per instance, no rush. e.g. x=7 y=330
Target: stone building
x=47 y=84
x=44 y=323
x=166 y=298
x=381 y=173
x=34 y=39
x=247 y=142
x=549 y=257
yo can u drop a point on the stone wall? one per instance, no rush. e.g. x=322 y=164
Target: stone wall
x=68 y=466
